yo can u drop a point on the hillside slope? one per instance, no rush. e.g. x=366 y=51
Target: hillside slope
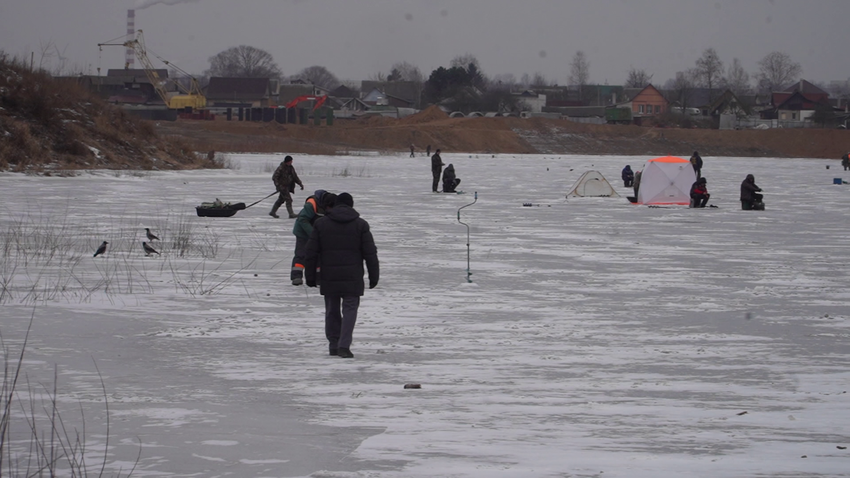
x=48 y=125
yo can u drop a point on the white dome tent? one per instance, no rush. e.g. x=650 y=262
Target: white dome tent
x=592 y=184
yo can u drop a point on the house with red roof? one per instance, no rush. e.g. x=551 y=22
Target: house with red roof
x=797 y=102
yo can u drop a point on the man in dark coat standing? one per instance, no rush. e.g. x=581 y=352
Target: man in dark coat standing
x=628 y=176
x=696 y=162
x=339 y=244
x=436 y=169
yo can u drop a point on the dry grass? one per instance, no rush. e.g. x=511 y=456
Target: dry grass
x=49 y=125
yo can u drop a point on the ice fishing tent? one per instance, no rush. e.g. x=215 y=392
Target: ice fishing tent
x=666 y=180
x=592 y=184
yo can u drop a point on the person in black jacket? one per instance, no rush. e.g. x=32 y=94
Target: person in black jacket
x=450 y=180
x=339 y=244
x=845 y=161
x=699 y=193
x=628 y=176
x=696 y=162
x=436 y=169
x=750 y=197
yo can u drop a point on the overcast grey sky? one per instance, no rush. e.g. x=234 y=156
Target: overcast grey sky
x=355 y=39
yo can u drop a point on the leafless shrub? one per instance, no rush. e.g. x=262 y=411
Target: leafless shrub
x=49 y=446
x=197 y=280
x=361 y=172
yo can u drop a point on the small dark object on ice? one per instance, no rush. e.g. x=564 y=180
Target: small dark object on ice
x=151 y=236
x=742 y=413
x=412 y=385
x=841 y=447
x=100 y=250
x=148 y=249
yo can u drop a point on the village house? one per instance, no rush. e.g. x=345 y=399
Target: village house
x=646 y=102
x=797 y=102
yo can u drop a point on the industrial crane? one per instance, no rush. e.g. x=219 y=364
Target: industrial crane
x=191 y=96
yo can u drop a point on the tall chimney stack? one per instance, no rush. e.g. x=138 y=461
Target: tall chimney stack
x=129 y=54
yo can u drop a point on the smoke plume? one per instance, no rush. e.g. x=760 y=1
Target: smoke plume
x=142 y=4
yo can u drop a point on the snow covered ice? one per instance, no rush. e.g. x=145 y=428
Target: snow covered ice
x=598 y=338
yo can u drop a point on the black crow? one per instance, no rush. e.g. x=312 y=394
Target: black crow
x=100 y=250
x=148 y=249
x=151 y=236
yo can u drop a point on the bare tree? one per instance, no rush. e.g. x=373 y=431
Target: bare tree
x=470 y=63
x=538 y=80
x=404 y=71
x=463 y=61
x=579 y=69
x=776 y=70
x=737 y=79
x=319 y=76
x=637 y=78
x=243 y=61
x=709 y=70
x=46 y=53
x=407 y=72
x=839 y=89
x=682 y=86
x=505 y=82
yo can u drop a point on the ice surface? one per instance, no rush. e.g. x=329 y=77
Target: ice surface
x=598 y=338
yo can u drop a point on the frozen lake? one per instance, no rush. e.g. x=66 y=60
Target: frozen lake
x=597 y=339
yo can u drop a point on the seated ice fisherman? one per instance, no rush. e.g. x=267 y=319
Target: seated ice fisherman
x=750 y=197
x=450 y=181
x=699 y=193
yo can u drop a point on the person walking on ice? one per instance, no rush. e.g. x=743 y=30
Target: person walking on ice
x=312 y=210
x=340 y=243
x=285 y=178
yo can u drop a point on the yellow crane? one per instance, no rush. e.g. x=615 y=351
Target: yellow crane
x=192 y=95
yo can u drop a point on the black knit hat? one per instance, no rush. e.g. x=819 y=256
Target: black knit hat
x=328 y=200
x=287 y=159
x=345 y=198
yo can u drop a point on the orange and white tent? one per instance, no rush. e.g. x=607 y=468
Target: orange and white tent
x=666 y=180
